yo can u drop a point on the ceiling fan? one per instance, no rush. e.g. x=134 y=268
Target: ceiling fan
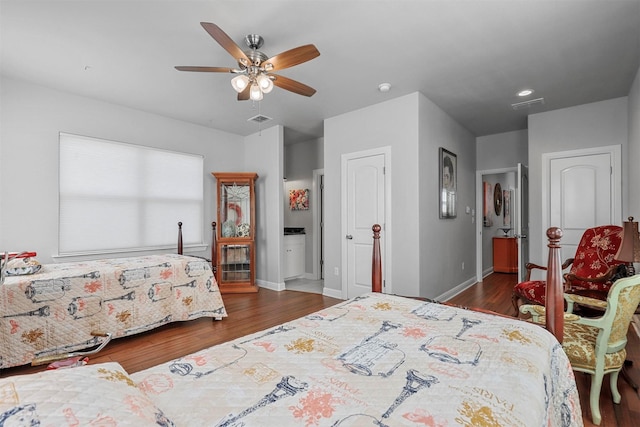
x=254 y=70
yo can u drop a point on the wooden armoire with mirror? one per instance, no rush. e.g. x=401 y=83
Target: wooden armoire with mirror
x=235 y=245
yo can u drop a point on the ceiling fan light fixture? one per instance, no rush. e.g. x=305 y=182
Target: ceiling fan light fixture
x=253 y=78
x=255 y=94
x=265 y=83
x=240 y=83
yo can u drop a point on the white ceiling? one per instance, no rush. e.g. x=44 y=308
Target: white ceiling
x=469 y=57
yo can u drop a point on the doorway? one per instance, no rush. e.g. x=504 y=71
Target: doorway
x=497 y=191
x=365 y=202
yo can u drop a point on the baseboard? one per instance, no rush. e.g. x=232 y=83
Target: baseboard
x=271 y=285
x=333 y=293
x=455 y=291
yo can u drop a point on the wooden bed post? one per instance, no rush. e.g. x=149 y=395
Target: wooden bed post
x=180 y=238
x=214 y=250
x=554 y=298
x=376 y=267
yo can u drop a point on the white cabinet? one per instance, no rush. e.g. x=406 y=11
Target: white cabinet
x=294 y=255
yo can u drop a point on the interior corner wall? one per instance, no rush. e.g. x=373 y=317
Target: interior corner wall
x=32 y=117
x=301 y=159
x=502 y=150
x=264 y=155
x=633 y=176
x=393 y=123
x=597 y=124
x=447 y=253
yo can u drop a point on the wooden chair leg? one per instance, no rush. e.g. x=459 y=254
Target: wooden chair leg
x=514 y=300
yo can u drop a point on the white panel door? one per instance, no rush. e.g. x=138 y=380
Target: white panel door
x=365 y=207
x=581 y=196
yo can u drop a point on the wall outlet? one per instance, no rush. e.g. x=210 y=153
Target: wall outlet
x=336 y=271
x=463 y=265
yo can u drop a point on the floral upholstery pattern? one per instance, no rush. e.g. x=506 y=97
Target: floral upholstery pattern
x=532 y=290
x=595 y=256
x=579 y=342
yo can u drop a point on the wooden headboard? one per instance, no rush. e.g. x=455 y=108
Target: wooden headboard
x=554 y=300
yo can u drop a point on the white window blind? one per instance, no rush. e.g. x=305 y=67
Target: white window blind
x=117 y=197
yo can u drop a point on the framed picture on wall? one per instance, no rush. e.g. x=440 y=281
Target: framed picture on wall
x=299 y=199
x=448 y=183
x=507 y=207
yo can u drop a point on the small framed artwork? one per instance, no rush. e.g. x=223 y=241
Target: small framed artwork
x=299 y=199
x=487 y=217
x=448 y=183
x=507 y=207
x=497 y=199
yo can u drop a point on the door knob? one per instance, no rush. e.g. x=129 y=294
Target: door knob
x=349 y=237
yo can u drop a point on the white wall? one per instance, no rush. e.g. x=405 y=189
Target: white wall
x=264 y=155
x=445 y=245
x=393 y=123
x=32 y=117
x=427 y=252
x=633 y=178
x=585 y=126
x=502 y=150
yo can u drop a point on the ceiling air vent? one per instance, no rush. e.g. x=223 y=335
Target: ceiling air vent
x=527 y=104
x=259 y=119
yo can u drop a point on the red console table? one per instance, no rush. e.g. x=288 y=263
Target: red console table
x=505 y=255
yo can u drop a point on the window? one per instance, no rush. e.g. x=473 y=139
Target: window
x=117 y=197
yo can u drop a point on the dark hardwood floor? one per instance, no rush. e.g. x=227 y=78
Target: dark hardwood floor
x=250 y=313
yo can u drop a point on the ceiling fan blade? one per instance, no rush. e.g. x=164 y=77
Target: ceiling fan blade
x=292 y=85
x=225 y=41
x=204 y=69
x=291 y=57
x=244 y=95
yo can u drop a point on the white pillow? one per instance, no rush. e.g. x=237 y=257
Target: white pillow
x=100 y=394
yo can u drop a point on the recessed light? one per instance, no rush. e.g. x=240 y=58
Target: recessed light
x=525 y=92
x=384 y=87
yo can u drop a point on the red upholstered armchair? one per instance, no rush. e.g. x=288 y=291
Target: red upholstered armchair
x=593 y=268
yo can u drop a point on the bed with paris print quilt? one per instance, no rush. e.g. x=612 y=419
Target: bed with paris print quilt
x=375 y=360
x=56 y=310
